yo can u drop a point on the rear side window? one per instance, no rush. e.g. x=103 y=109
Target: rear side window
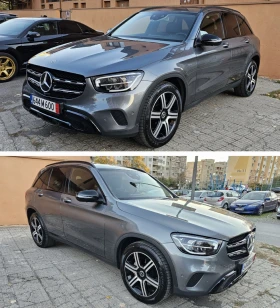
x=212 y=24
x=81 y=179
x=216 y=194
x=86 y=29
x=57 y=179
x=68 y=27
x=231 y=26
x=43 y=180
x=46 y=28
x=244 y=28
x=229 y=194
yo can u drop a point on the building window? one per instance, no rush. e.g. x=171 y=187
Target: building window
x=76 y=5
x=122 y=3
x=50 y=6
x=83 y=5
x=43 y=6
x=107 y=3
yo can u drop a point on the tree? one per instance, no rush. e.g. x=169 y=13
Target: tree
x=169 y=182
x=182 y=179
x=126 y=163
x=138 y=162
x=108 y=160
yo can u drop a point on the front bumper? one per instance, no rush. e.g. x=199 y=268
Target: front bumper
x=112 y=114
x=201 y=275
x=245 y=209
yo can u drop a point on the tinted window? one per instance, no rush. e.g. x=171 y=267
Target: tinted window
x=86 y=29
x=132 y=184
x=45 y=28
x=15 y=26
x=67 y=27
x=57 y=179
x=244 y=28
x=81 y=179
x=43 y=180
x=212 y=24
x=158 y=25
x=231 y=26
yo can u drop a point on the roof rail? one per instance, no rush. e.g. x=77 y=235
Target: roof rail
x=72 y=162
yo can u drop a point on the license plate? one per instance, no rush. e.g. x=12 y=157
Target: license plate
x=248 y=263
x=45 y=104
x=239 y=209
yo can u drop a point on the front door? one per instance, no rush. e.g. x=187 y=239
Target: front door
x=83 y=221
x=212 y=61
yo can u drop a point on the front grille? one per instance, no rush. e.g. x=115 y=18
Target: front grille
x=237 y=247
x=65 y=85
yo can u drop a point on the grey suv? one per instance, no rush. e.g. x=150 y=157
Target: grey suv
x=136 y=80
x=161 y=243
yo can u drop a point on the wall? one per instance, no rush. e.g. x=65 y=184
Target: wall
x=36 y=13
x=17 y=175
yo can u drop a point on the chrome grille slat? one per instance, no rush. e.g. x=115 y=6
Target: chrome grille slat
x=64 y=85
x=240 y=243
x=239 y=247
x=237 y=252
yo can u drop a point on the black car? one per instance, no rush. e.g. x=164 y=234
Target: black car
x=4 y=17
x=23 y=38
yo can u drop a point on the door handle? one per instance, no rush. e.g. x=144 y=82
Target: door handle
x=40 y=194
x=225 y=45
x=247 y=41
x=67 y=200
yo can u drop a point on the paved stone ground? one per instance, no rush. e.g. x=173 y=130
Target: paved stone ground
x=224 y=122
x=63 y=276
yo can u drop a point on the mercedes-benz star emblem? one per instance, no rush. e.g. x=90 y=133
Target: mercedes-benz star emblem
x=46 y=82
x=250 y=242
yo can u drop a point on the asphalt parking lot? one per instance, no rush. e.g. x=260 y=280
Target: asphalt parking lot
x=221 y=123
x=64 y=276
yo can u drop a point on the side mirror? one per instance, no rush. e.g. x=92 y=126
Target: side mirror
x=88 y=196
x=266 y=199
x=210 y=40
x=32 y=35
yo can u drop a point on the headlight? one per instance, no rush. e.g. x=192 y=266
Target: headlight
x=196 y=245
x=118 y=82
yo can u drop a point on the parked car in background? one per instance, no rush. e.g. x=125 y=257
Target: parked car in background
x=131 y=220
x=181 y=192
x=5 y=17
x=278 y=212
x=150 y=67
x=222 y=198
x=23 y=38
x=276 y=189
x=255 y=202
x=199 y=195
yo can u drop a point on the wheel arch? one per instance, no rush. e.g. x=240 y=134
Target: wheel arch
x=12 y=52
x=127 y=239
x=257 y=59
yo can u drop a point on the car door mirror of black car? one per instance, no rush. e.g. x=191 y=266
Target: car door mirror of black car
x=267 y=199
x=32 y=35
x=210 y=40
x=88 y=196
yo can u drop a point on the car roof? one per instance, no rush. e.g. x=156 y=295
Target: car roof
x=39 y=18
x=192 y=9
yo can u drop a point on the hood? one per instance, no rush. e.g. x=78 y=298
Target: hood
x=189 y=217
x=247 y=202
x=102 y=55
x=4 y=39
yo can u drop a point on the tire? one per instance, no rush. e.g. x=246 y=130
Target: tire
x=8 y=65
x=226 y=206
x=41 y=237
x=242 y=89
x=260 y=211
x=158 y=130
x=158 y=271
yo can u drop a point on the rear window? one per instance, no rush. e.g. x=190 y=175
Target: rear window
x=43 y=180
x=244 y=28
x=216 y=194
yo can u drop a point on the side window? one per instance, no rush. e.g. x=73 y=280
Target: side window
x=57 y=179
x=81 y=179
x=43 y=181
x=67 y=27
x=229 y=194
x=86 y=29
x=244 y=28
x=46 y=28
x=231 y=26
x=212 y=24
x=234 y=194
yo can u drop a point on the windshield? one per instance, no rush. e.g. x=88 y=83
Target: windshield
x=126 y=184
x=254 y=196
x=15 y=26
x=157 y=25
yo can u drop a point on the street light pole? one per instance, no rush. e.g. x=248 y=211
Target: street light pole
x=194 y=177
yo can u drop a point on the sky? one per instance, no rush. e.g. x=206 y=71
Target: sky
x=217 y=156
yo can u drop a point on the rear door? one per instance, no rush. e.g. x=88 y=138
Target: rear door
x=83 y=221
x=274 y=199
x=212 y=61
x=49 y=38
x=48 y=196
x=268 y=205
x=238 y=45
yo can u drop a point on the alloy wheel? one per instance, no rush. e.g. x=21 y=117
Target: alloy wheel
x=7 y=68
x=36 y=230
x=164 y=115
x=141 y=274
x=251 y=77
